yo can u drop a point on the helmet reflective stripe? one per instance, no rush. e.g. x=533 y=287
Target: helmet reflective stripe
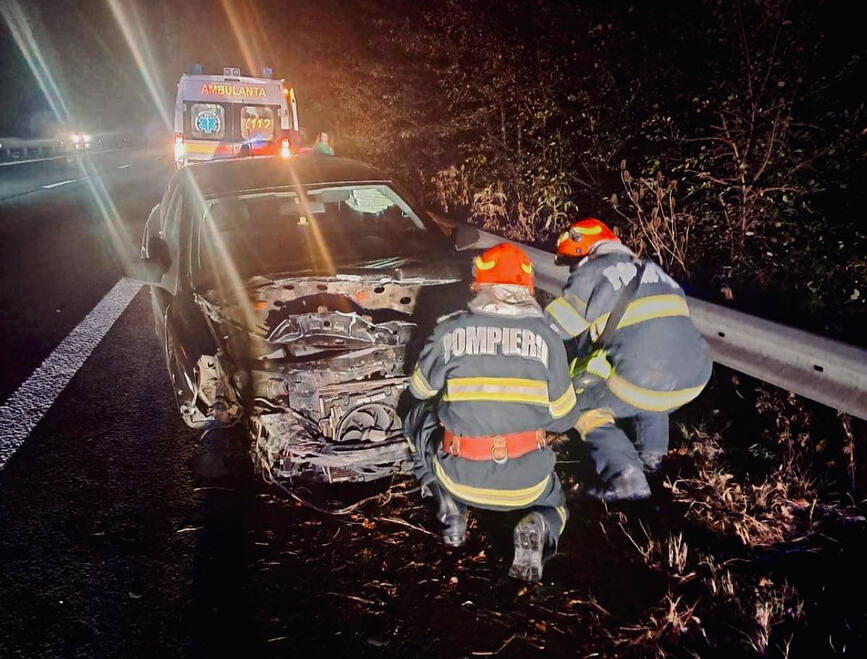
x=527 y=267
x=562 y=238
x=481 y=264
x=587 y=231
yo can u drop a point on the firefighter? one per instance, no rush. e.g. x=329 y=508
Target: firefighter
x=489 y=383
x=637 y=355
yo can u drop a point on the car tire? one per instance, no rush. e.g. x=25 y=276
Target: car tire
x=183 y=386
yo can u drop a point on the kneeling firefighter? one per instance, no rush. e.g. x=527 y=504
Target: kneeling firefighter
x=639 y=357
x=489 y=382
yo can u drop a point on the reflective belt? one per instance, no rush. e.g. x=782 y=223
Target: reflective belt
x=499 y=390
x=517 y=498
x=645 y=308
x=499 y=448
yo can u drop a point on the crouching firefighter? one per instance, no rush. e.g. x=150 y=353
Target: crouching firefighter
x=488 y=384
x=638 y=356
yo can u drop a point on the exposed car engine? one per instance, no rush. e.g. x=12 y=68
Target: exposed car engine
x=317 y=365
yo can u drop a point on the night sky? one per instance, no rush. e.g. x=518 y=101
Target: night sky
x=85 y=49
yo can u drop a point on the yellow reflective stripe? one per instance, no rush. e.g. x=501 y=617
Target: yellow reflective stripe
x=563 y=405
x=503 y=390
x=576 y=303
x=646 y=308
x=518 y=498
x=419 y=385
x=566 y=316
x=561 y=510
x=481 y=264
x=592 y=419
x=650 y=399
x=587 y=231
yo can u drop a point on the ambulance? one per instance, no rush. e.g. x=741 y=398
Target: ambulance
x=230 y=115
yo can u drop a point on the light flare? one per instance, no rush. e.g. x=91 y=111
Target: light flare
x=117 y=230
x=318 y=248
x=135 y=34
x=237 y=23
x=19 y=26
x=229 y=283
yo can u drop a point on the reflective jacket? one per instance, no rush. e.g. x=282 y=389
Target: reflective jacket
x=499 y=368
x=656 y=360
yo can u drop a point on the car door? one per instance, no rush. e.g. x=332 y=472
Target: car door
x=161 y=243
x=186 y=336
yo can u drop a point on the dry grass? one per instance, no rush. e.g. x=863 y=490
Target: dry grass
x=773 y=605
x=663 y=626
x=759 y=513
x=668 y=554
x=767 y=491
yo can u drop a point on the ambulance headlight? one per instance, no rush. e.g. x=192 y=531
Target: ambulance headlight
x=76 y=138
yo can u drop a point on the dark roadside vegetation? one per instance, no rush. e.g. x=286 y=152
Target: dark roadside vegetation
x=726 y=140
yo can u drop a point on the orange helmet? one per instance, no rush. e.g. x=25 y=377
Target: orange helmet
x=582 y=235
x=503 y=264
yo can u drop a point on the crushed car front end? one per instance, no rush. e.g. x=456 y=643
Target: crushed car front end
x=320 y=365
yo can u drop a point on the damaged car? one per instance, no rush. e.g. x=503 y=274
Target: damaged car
x=292 y=296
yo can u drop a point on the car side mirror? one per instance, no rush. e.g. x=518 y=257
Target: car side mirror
x=147 y=271
x=464 y=237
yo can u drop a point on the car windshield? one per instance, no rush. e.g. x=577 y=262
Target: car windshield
x=287 y=232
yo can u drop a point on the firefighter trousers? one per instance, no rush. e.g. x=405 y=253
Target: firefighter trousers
x=525 y=483
x=621 y=461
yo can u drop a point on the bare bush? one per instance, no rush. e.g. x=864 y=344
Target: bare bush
x=489 y=208
x=451 y=190
x=655 y=223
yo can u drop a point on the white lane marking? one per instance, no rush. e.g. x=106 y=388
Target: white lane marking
x=124 y=166
x=55 y=185
x=20 y=413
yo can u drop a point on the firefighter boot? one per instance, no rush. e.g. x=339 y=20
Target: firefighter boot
x=651 y=438
x=452 y=514
x=629 y=485
x=530 y=537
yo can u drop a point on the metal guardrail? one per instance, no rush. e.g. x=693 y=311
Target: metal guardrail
x=812 y=366
x=15 y=150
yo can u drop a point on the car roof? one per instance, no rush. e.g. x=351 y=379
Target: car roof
x=217 y=177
